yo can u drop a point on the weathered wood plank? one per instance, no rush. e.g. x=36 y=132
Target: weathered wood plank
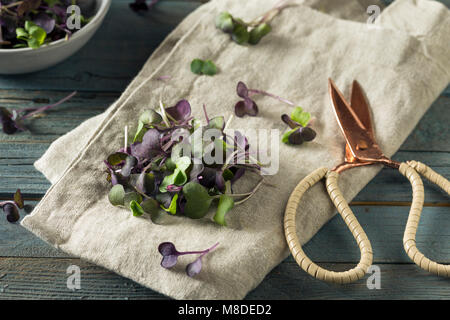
x=31 y=278
x=431 y=134
x=333 y=243
x=114 y=55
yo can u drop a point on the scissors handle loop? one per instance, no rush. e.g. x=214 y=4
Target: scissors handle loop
x=410 y=170
x=344 y=210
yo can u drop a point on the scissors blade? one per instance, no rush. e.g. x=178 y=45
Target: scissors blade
x=361 y=107
x=357 y=135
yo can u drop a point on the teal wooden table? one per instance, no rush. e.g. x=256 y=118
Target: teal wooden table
x=31 y=269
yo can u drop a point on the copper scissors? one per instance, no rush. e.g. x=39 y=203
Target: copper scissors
x=361 y=149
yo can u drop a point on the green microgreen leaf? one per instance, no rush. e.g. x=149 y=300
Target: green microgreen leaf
x=198 y=200
x=21 y=34
x=224 y=22
x=141 y=130
x=257 y=33
x=209 y=68
x=131 y=196
x=300 y=116
x=117 y=158
x=217 y=123
x=179 y=176
x=240 y=34
x=197 y=66
x=173 y=205
x=150 y=206
x=150 y=117
x=136 y=209
x=226 y=203
x=117 y=195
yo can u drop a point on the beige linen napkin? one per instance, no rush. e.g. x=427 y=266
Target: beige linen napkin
x=402 y=64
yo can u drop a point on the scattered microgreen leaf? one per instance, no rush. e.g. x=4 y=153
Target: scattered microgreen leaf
x=136 y=209
x=170 y=257
x=11 y=208
x=243 y=32
x=206 y=67
x=12 y=121
x=117 y=195
x=226 y=203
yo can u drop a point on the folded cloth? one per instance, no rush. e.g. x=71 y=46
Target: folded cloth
x=403 y=66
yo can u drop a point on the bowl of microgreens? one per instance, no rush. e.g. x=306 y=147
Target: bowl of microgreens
x=37 y=34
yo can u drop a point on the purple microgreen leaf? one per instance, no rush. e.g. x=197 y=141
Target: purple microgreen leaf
x=296 y=137
x=208 y=177
x=308 y=134
x=194 y=268
x=169 y=253
x=239 y=109
x=7 y=122
x=220 y=181
x=242 y=90
x=26 y=6
x=250 y=107
x=181 y=111
x=44 y=21
x=169 y=261
x=12 y=212
x=149 y=147
x=291 y=123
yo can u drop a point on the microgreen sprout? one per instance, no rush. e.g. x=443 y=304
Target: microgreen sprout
x=299 y=121
x=11 y=208
x=170 y=257
x=153 y=171
x=12 y=121
x=206 y=67
x=33 y=23
x=299 y=130
x=252 y=32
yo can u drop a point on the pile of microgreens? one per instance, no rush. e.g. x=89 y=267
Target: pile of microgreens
x=13 y=121
x=299 y=121
x=252 y=32
x=170 y=257
x=32 y=23
x=11 y=208
x=150 y=175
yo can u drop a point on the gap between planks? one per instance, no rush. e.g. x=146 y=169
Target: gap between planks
x=355 y=203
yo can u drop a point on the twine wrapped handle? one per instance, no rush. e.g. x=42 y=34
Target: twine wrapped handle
x=344 y=210
x=410 y=170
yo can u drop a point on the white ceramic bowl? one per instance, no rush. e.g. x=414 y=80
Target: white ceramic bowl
x=25 y=60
